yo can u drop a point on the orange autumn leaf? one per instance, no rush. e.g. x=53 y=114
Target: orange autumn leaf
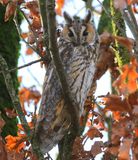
x=24 y=35
x=19 y=79
x=29 y=51
x=124 y=150
x=126 y=83
x=116 y=103
x=26 y=94
x=20 y=127
x=94 y=132
x=59 y=6
x=129 y=2
x=15 y=143
x=136 y=132
x=117 y=115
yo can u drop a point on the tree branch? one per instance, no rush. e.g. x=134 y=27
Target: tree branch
x=14 y=97
x=25 y=65
x=42 y=8
x=50 y=7
x=15 y=100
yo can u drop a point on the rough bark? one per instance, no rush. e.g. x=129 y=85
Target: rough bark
x=9 y=49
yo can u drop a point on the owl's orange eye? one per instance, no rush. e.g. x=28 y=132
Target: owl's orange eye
x=70 y=34
x=85 y=33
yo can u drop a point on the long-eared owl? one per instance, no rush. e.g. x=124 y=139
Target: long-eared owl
x=78 y=49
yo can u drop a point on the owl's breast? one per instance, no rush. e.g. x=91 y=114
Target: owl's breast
x=80 y=68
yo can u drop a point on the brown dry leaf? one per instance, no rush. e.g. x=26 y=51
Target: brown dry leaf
x=24 y=35
x=135 y=110
x=31 y=38
x=135 y=149
x=126 y=83
x=33 y=7
x=113 y=150
x=116 y=103
x=3 y=2
x=3 y=153
x=120 y=4
x=124 y=150
x=126 y=42
x=97 y=148
x=10 y=10
x=94 y=132
x=133 y=99
x=123 y=128
x=36 y=23
x=106 y=53
x=12 y=155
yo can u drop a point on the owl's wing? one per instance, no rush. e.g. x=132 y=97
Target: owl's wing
x=52 y=123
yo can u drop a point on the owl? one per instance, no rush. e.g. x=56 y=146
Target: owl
x=78 y=49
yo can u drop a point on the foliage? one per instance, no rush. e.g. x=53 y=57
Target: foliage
x=121 y=108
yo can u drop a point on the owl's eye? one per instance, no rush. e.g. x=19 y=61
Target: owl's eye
x=85 y=33
x=70 y=34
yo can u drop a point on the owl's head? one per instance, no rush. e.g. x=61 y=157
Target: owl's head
x=77 y=31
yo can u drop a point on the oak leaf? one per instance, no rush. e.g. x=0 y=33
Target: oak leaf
x=124 y=150
x=126 y=83
x=33 y=7
x=97 y=148
x=59 y=6
x=15 y=142
x=116 y=103
x=126 y=42
x=94 y=132
x=10 y=10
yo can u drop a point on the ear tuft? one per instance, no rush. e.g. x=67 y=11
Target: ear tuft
x=88 y=17
x=67 y=17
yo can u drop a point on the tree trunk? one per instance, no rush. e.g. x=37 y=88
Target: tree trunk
x=9 y=49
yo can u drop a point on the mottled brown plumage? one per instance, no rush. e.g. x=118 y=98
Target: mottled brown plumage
x=78 y=49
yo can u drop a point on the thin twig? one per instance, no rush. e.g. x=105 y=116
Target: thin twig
x=19 y=32
x=25 y=65
x=49 y=157
x=46 y=57
x=32 y=73
x=14 y=97
x=50 y=7
x=43 y=12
